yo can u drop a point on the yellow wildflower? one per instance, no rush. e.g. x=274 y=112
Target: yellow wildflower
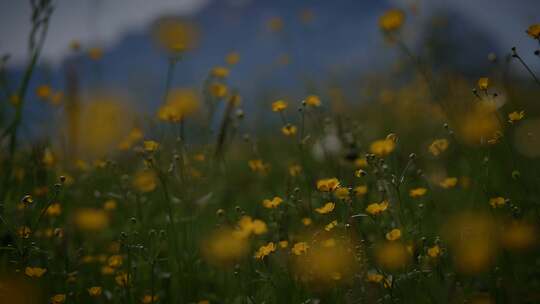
x=393 y=235
x=306 y=221
x=54 y=209
x=35 y=272
x=257 y=165
x=44 y=91
x=149 y=299
x=265 y=250
x=534 y=31
x=150 y=146
x=382 y=147
x=374 y=277
x=279 y=105
x=438 y=146
x=361 y=162
x=122 y=279
x=180 y=103
x=496 y=202
x=248 y=226
x=327 y=208
x=58 y=298
x=483 y=83
x=300 y=248
x=95 y=291
x=91 y=219
x=360 y=190
x=95 y=53
x=377 y=208
x=145 y=181
x=283 y=244
x=276 y=201
x=295 y=170
x=434 y=251
x=109 y=205
x=220 y=72
x=392 y=20
x=24 y=232
x=328 y=184
x=331 y=225
x=448 y=182
x=232 y=58
x=289 y=130
x=417 y=192
x=115 y=261
x=312 y=101
x=218 y=90
x=516 y=116
x=342 y=193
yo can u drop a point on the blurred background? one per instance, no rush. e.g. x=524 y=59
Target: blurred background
x=286 y=49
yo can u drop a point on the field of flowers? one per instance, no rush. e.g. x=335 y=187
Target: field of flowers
x=436 y=200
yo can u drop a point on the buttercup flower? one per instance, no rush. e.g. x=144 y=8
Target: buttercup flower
x=534 y=31
x=392 y=20
x=279 y=106
x=265 y=250
x=438 y=146
x=417 y=192
x=273 y=203
x=327 y=208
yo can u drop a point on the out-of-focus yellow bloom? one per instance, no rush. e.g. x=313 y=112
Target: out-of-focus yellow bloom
x=95 y=291
x=273 y=203
x=88 y=219
x=483 y=83
x=149 y=299
x=248 y=226
x=361 y=162
x=382 y=147
x=54 y=209
x=232 y=58
x=289 y=130
x=279 y=106
x=342 y=193
x=109 y=205
x=115 y=261
x=220 y=72
x=374 y=277
x=257 y=165
x=44 y=91
x=145 y=181
x=132 y=138
x=218 y=90
x=480 y=124
x=203 y=302
x=24 y=232
x=518 y=235
x=330 y=226
x=393 y=235
x=95 y=53
x=283 y=244
x=327 y=208
x=391 y=20
x=307 y=16
x=377 y=208
x=438 y=146
x=516 y=116
x=15 y=99
x=306 y=221
x=534 y=31
x=175 y=35
x=56 y=98
x=434 y=252
x=150 y=146
x=58 y=298
x=48 y=158
x=275 y=24
x=449 y=182
x=300 y=248
x=224 y=247
x=392 y=255
x=496 y=202
x=360 y=190
x=326 y=264
x=35 y=272
x=472 y=240
x=417 y=192
x=180 y=104
x=122 y=279
x=265 y=250
x=295 y=170
x=327 y=184
x=313 y=101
